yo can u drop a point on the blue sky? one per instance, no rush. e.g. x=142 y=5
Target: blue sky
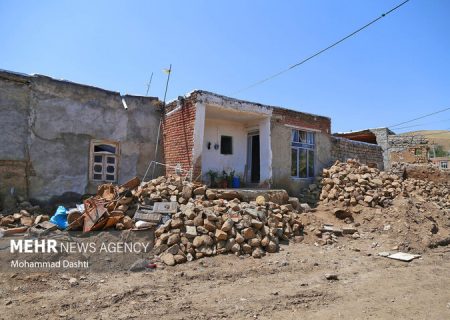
x=396 y=70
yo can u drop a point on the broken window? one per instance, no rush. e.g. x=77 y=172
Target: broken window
x=226 y=145
x=302 y=154
x=104 y=158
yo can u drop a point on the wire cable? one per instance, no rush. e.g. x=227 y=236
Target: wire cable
x=422 y=124
x=321 y=51
x=427 y=115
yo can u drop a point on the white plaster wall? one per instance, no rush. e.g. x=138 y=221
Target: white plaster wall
x=265 y=150
x=212 y=159
x=199 y=131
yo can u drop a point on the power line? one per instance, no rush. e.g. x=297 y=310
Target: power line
x=428 y=134
x=323 y=50
x=422 y=124
x=427 y=115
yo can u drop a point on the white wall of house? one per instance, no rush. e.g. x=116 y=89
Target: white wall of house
x=212 y=159
x=265 y=150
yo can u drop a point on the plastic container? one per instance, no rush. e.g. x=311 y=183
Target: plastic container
x=236 y=183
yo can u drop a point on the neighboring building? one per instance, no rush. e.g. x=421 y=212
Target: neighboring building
x=62 y=139
x=441 y=162
x=396 y=148
x=264 y=145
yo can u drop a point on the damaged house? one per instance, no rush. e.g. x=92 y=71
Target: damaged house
x=266 y=146
x=59 y=140
x=396 y=148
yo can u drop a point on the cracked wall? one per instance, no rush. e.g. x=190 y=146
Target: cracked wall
x=48 y=124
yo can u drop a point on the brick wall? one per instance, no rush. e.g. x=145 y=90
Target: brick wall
x=300 y=119
x=343 y=149
x=178 y=134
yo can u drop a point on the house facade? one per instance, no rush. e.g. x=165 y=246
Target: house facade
x=441 y=162
x=59 y=140
x=266 y=146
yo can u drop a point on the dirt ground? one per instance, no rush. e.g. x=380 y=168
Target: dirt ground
x=290 y=284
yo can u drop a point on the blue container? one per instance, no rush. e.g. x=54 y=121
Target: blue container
x=236 y=183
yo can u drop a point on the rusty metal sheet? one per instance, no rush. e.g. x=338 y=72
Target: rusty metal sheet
x=94 y=211
x=112 y=221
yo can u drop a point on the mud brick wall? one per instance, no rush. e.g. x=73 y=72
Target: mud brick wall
x=370 y=154
x=178 y=134
x=46 y=126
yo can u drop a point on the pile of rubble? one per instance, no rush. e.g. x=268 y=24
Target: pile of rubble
x=26 y=216
x=205 y=225
x=352 y=183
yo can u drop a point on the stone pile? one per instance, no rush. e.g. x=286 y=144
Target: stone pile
x=351 y=183
x=205 y=225
x=21 y=220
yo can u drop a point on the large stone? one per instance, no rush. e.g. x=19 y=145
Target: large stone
x=260 y=201
x=207 y=240
x=173 y=239
x=168 y=259
x=200 y=191
x=198 y=241
x=272 y=247
x=209 y=225
x=227 y=225
x=255 y=242
x=257 y=224
x=180 y=258
x=198 y=220
x=221 y=235
x=248 y=233
x=211 y=195
x=246 y=248
x=239 y=238
x=257 y=253
x=173 y=249
x=191 y=231
x=187 y=192
x=176 y=223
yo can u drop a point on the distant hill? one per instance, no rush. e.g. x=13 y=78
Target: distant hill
x=441 y=137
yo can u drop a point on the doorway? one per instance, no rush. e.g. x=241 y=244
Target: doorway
x=253 y=157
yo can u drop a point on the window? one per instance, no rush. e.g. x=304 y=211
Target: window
x=226 y=145
x=103 y=164
x=302 y=154
x=444 y=164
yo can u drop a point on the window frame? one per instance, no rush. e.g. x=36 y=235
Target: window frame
x=303 y=142
x=443 y=164
x=104 y=161
x=231 y=144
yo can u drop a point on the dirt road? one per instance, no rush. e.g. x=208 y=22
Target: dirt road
x=290 y=284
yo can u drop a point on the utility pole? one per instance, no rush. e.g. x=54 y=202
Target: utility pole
x=168 y=71
x=149 y=84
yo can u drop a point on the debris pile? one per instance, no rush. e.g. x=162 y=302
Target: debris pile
x=26 y=216
x=205 y=225
x=352 y=183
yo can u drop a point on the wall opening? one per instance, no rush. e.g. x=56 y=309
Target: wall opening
x=104 y=157
x=226 y=145
x=253 y=160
